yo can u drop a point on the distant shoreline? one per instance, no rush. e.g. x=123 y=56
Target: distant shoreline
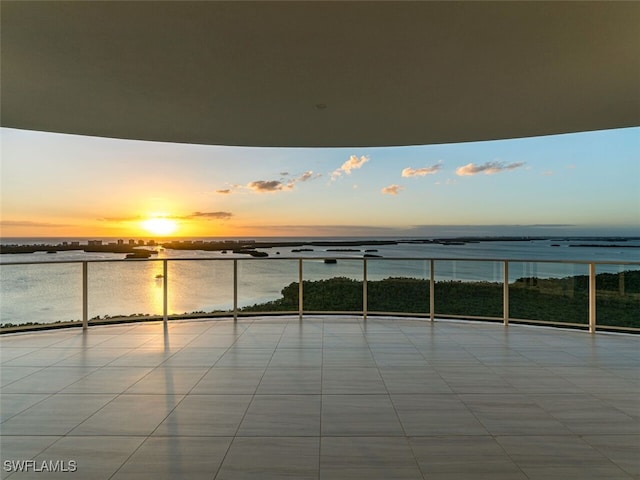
x=249 y=246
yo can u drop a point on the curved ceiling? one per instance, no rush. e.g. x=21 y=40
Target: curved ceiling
x=319 y=73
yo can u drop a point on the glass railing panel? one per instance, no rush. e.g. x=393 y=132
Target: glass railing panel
x=469 y=288
x=400 y=286
x=549 y=292
x=198 y=287
x=618 y=296
x=128 y=288
x=333 y=285
x=37 y=294
x=267 y=285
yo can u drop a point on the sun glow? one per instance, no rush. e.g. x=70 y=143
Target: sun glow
x=160 y=225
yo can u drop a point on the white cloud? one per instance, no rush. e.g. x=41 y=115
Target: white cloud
x=488 y=168
x=392 y=189
x=421 y=172
x=353 y=163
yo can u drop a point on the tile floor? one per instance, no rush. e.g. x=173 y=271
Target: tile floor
x=325 y=398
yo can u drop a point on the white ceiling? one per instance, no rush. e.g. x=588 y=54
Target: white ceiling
x=319 y=73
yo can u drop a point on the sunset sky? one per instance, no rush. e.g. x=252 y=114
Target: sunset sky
x=57 y=185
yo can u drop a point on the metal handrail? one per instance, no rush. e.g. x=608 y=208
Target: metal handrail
x=365 y=311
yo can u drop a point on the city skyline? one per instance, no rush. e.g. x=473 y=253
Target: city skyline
x=58 y=185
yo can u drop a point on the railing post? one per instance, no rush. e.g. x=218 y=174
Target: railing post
x=300 y=290
x=165 y=292
x=235 y=289
x=432 y=290
x=592 y=298
x=364 y=288
x=505 y=294
x=85 y=295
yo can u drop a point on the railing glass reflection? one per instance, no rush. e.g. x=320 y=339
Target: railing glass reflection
x=563 y=293
x=549 y=292
x=469 y=288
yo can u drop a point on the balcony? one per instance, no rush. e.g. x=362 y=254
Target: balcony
x=356 y=394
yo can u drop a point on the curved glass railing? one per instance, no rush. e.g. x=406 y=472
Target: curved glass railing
x=588 y=295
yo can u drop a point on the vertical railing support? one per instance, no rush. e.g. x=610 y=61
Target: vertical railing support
x=505 y=294
x=165 y=292
x=235 y=289
x=432 y=290
x=300 y=290
x=592 y=298
x=85 y=295
x=364 y=288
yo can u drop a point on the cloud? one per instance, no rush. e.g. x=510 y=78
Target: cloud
x=547 y=173
x=392 y=189
x=309 y=175
x=120 y=219
x=353 y=163
x=421 y=172
x=269 y=186
x=227 y=191
x=28 y=223
x=210 y=215
x=191 y=216
x=488 y=168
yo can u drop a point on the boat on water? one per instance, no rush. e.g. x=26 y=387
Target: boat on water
x=139 y=254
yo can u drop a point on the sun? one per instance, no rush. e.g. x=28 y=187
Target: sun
x=160 y=225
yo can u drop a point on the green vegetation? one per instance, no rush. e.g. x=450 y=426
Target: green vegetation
x=564 y=300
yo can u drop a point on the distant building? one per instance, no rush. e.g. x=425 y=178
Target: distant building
x=120 y=242
x=94 y=242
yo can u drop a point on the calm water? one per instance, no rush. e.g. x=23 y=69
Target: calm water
x=53 y=292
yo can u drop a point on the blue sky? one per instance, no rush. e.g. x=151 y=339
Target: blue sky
x=57 y=185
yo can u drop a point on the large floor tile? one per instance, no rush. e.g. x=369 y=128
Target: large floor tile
x=436 y=415
x=143 y=415
x=352 y=380
x=55 y=415
x=170 y=458
x=271 y=458
x=367 y=458
x=359 y=415
x=282 y=415
x=169 y=380
x=205 y=415
x=286 y=380
x=230 y=380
